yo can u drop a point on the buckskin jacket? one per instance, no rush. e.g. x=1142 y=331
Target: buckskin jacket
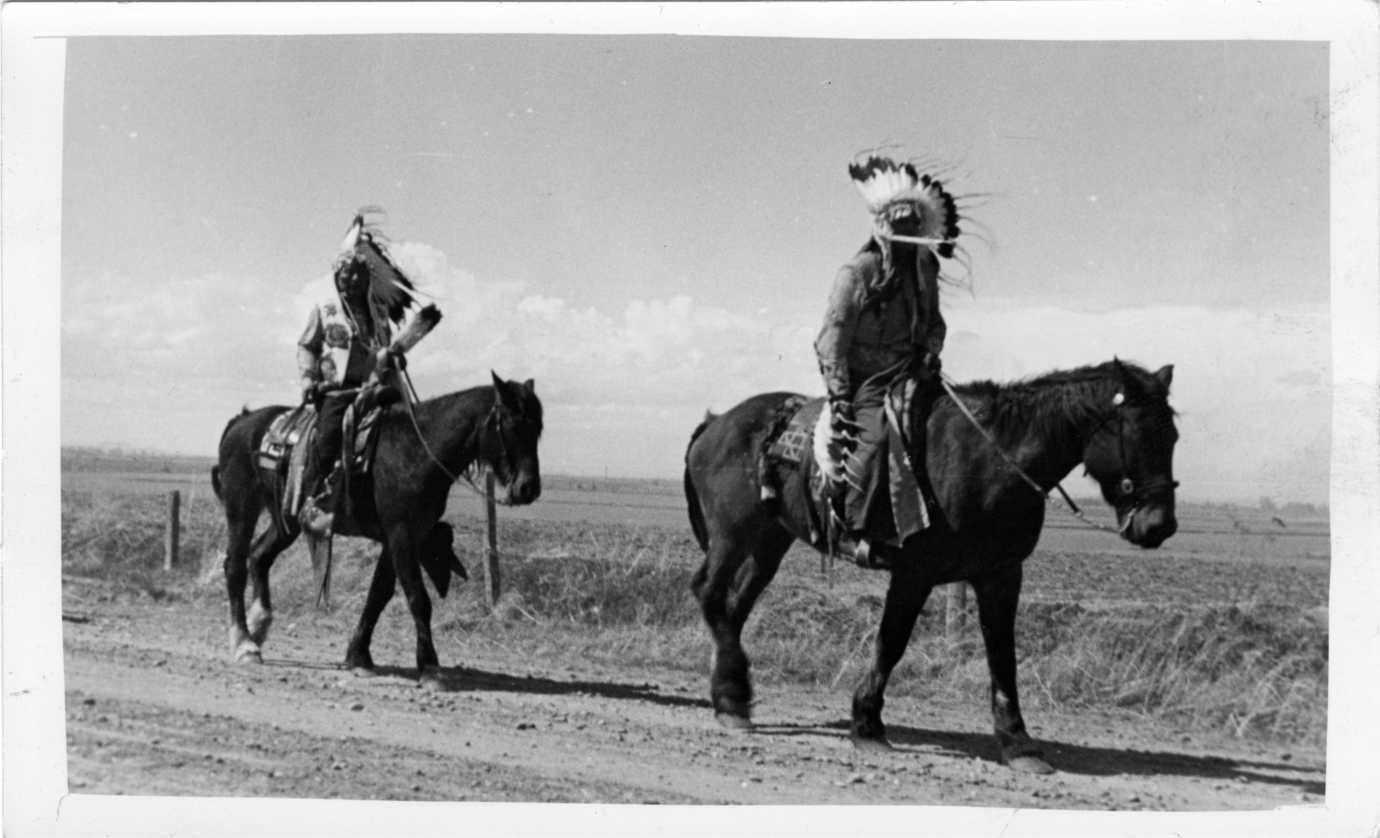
x=865 y=332
x=330 y=349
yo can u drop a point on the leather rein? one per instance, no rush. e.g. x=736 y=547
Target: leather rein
x=494 y=418
x=1127 y=485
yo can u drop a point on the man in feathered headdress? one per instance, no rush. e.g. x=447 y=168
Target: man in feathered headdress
x=349 y=343
x=883 y=325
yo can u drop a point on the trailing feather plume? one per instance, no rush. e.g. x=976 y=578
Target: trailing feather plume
x=833 y=448
x=364 y=252
x=883 y=182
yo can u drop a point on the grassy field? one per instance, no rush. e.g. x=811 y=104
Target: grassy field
x=1223 y=629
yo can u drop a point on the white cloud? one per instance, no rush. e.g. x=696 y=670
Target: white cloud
x=624 y=388
x=667 y=352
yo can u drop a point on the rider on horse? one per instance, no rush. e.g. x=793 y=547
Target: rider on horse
x=348 y=347
x=882 y=327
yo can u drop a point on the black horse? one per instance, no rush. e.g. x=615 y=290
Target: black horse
x=399 y=505
x=1114 y=418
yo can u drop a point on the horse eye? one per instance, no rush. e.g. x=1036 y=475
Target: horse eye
x=1127 y=487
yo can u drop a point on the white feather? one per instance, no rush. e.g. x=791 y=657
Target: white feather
x=352 y=237
x=820 y=444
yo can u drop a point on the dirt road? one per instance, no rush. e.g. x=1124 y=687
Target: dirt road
x=155 y=707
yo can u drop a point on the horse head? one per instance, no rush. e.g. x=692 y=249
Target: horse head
x=509 y=444
x=1130 y=453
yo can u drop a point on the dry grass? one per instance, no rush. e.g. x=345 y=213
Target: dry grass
x=621 y=594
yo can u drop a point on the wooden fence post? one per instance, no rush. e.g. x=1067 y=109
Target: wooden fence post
x=173 y=534
x=491 y=580
x=956 y=608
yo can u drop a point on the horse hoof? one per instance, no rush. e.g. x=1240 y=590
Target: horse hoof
x=733 y=723
x=1030 y=764
x=364 y=672
x=872 y=744
x=247 y=653
x=430 y=680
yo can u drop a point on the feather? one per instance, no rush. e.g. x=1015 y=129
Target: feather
x=881 y=182
x=390 y=292
x=352 y=237
x=417 y=328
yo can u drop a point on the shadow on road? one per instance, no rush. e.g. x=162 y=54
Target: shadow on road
x=461 y=679
x=1078 y=759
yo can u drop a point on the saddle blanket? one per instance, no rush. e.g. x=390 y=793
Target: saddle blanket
x=805 y=432
x=289 y=440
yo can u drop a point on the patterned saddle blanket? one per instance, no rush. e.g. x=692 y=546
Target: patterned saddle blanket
x=791 y=440
x=289 y=438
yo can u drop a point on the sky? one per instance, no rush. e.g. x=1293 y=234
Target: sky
x=648 y=225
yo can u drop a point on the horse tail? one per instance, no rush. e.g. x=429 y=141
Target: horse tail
x=692 y=498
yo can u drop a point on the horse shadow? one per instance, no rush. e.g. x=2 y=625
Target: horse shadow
x=462 y=679
x=1089 y=760
x=1068 y=758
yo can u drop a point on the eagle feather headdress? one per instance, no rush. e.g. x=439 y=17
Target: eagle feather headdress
x=883 y=183
x=391 y=294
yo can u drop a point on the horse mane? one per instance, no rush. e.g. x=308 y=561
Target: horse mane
x=1042 y=403
x=530 y=408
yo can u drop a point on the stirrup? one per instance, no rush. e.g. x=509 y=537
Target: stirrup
x=316 y=521
x=860 y=550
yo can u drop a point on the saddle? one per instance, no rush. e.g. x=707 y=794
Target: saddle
x=290 y=436
x=798 y=438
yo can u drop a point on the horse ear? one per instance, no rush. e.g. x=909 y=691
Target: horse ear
x=531 y=386
x=1165 y=374
x=1130 y=386
x=503 y=389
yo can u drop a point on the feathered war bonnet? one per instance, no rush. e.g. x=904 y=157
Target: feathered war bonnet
x=364 y=263
x=886 y=185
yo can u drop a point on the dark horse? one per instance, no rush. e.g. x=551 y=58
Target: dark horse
x=1114 y=418
x=399 y=505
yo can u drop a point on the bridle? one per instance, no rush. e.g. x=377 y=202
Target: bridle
x=493 y=420
x=1141 y=493
x=1126 y=484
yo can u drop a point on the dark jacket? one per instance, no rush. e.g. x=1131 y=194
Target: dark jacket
x=868 y=329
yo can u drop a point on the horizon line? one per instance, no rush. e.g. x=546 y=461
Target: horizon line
x=121 y=450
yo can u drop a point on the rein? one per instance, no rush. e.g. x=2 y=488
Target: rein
x=412 y=415
x=1071 y=506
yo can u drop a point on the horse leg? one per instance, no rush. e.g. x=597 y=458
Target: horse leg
x=997 y=596
x=268 y=547
x=729 y=688
x=753 y=577
x=756 y=575
x=905 y=595
x=240 y=531
x=403 y=546
x=381 y=589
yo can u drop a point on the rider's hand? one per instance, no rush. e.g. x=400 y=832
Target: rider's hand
x=317 y=392
x=932 y=363
x=387 y=359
